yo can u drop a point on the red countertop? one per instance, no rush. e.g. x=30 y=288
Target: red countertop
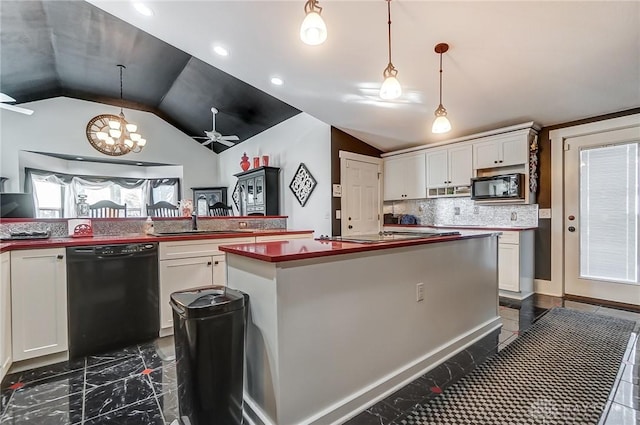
x=493 y=228
x=302 y=249
x=133 y=238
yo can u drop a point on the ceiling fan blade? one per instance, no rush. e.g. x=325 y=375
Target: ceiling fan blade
x=6 y=98
x=234 y=137
x=226 y=143
x=201 y=137
x=16 y=109
x=208 y=142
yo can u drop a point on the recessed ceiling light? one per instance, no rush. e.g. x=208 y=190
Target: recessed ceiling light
x=143 y=9
x=221 y=51
x=79 y=158
x=277 y=81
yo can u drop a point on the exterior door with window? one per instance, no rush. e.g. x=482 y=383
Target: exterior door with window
x=601 y=216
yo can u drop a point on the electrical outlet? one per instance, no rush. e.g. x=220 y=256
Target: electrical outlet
x=476 y=210
x=514 y=216
x=419 y=292
x=242 y=224
x=456 y=210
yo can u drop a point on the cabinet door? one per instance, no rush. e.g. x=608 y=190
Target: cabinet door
x=259 y=191
x=509 y=267
x=177 y=275
x=514 y=151
x=394 y=179
x=219 y=270
x=460 y=165
x=5 y=314
x=415 y=185
x=437 y=172
x=38 y=302
x=486 y=154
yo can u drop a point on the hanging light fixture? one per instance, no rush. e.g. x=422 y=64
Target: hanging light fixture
x=313 y=30
x=441 y=124
x=391 y=88
x=112 y=134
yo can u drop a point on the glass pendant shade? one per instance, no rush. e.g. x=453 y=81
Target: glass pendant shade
x=391 y=88
x=135 y=137
x=142 y=142
x=115 y=133
x=313 y=30
x=102 y=135
x=128 y=143
x=441 y=125
x=131 y=128
x=114 y=124
x=109 y=141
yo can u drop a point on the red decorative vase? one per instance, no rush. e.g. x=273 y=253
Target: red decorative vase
x=245 y=164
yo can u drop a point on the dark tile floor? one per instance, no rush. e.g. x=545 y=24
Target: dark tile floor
x=137 y=385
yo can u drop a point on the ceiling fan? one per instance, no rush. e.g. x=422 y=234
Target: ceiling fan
x=214 y=136
x=4 y=99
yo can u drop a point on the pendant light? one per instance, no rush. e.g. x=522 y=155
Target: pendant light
x=441 y=124
x=391 y=88
x=313 y=30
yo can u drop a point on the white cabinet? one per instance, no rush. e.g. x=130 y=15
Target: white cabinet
x=5 y=314
x=38 y=302
x=449 y=171
x=190 y=264
x=516 y=263
x=404 y=177
x=502 y=150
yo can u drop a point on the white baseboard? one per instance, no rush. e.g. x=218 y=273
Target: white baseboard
x=515 y=295
x=547 y=287
x=357 y=402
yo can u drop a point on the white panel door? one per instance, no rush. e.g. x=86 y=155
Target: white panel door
x=437 y=168
x=39 y=302
x=601 y=216
x=5 y=314
x=362 y=209
x=460 y=165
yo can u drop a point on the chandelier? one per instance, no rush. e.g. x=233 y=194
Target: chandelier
x=112 y=134
x=391 y=88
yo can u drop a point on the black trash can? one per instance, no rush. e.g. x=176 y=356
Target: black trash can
x=209 y=334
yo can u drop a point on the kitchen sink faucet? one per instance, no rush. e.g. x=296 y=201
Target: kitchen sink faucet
x=194 y=221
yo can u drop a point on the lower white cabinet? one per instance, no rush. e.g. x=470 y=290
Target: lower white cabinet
x=5 y=314
x=516 y=263
x=38 y=302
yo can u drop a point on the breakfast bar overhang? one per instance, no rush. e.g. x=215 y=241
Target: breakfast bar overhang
x=334 y=326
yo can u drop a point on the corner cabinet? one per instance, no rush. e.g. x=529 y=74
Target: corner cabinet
x=449 y=171
x=38 y=302
x=6 y=357
x=259 y=191
x=404 y=177
x=503 y=150
x=516 y=263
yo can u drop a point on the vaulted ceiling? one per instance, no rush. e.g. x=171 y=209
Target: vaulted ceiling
x=71 y=48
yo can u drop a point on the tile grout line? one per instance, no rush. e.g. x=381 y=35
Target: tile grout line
x=153 y=388
x=84 y=390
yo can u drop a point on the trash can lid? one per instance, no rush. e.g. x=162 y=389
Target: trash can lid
x=206 y=302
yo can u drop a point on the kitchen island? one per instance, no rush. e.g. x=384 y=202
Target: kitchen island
x=336 y=326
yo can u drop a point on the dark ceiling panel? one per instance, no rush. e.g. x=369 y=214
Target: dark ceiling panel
x=71 y=48
x=243 y=110
x=27 y=61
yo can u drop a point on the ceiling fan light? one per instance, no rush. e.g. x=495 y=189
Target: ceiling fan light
x=128 y=143
x=115 y=133
x=135 y=137
x=102 y=135
x=131 y=128
x=114 y=124
x=313 y=30
x=391 y=88
x=142 y=142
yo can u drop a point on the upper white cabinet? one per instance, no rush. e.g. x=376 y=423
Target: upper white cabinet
x=404 y=177
x=38 y=302
x=5 y=314
x=449 y=167
x=502 y=150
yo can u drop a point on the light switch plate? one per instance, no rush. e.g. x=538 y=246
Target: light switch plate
x=338 y=214
x=544 y=213
x=337 y=191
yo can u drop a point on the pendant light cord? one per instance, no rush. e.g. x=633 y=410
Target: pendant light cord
x=121 y=68
x=389 y=24
x=440 y=78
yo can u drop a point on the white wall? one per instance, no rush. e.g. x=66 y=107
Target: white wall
x=302 y=138
x=58 y=126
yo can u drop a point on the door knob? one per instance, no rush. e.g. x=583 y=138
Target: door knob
x=349 y=218
x=571 y=229
x=571 y=217
x=350 y=227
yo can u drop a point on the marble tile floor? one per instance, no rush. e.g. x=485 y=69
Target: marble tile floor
x=137 y=385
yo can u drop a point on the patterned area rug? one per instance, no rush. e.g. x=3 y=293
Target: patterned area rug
x=560 y=371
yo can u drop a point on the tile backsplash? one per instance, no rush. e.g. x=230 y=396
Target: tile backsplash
x=464 y=211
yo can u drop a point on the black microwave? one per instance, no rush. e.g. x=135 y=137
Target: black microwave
x=505 y=186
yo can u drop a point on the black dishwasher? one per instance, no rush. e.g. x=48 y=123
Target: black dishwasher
x=113 y=297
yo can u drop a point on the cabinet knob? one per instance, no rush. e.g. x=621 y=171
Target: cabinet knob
x=60 y=257
x=495 y=162
x=216 y=262
x=500 y=161
x=208 y=263
x=446 y=182
x=350 y=227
